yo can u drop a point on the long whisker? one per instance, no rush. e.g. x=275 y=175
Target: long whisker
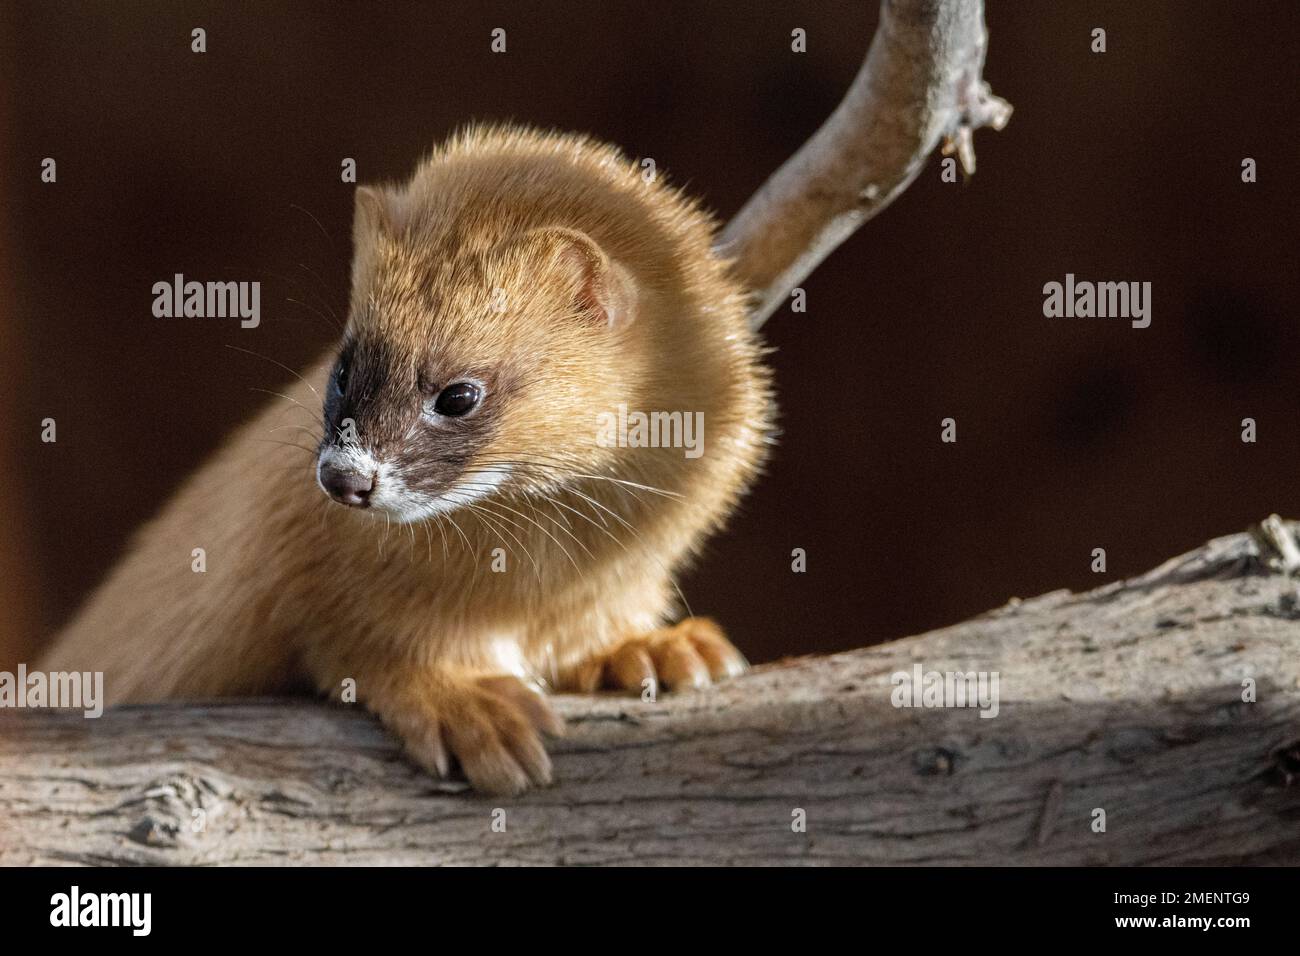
x=558 y=473
x=469 y=548
x=565 y=478
x=335 y=323
x=292 y=282
x=383 y=539
x=324 y=286
x=267 y=358
x=428 y=539
x=630 y=484
x=324 y=512
x=637 y=535
x=290 y=444
x=267 y=391
x=316 y=436
x=533 y=521
x=559 y=544
x=328 y=237
x=493 y=519
x=568 y=464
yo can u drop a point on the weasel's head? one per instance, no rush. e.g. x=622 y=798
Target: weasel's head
x=476 y=359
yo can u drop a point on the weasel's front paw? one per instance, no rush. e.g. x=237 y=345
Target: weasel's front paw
x=691 y=654
x=491 y=725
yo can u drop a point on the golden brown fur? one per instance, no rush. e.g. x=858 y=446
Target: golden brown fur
x=439 y=645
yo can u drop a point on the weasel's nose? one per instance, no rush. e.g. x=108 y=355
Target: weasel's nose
x=347 y=487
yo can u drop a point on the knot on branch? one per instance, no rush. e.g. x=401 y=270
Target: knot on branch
x=977 y=107
x=1286 y=764
x=178 y=810
x=1278 y=548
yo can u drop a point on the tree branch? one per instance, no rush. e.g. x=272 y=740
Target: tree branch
x=921 y=82
x=1126 y=699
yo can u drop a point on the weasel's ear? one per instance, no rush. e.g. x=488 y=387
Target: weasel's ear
x=602 y=289
x=376 y=212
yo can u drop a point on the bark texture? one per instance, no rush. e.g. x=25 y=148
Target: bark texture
x=1127 y=699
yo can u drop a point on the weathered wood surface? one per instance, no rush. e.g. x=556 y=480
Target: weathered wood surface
x=1127 y=698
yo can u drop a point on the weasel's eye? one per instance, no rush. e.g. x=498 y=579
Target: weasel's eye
x=456 y=400
x=341 y=375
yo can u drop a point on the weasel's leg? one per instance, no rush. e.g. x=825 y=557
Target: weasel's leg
x=490 y=723
x=691 y=654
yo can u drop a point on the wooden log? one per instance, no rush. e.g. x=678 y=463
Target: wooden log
x=1127 y=699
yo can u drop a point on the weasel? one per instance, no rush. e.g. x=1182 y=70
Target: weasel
x=465 y=535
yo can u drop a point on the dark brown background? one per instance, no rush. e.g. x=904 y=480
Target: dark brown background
x=1073 y=434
